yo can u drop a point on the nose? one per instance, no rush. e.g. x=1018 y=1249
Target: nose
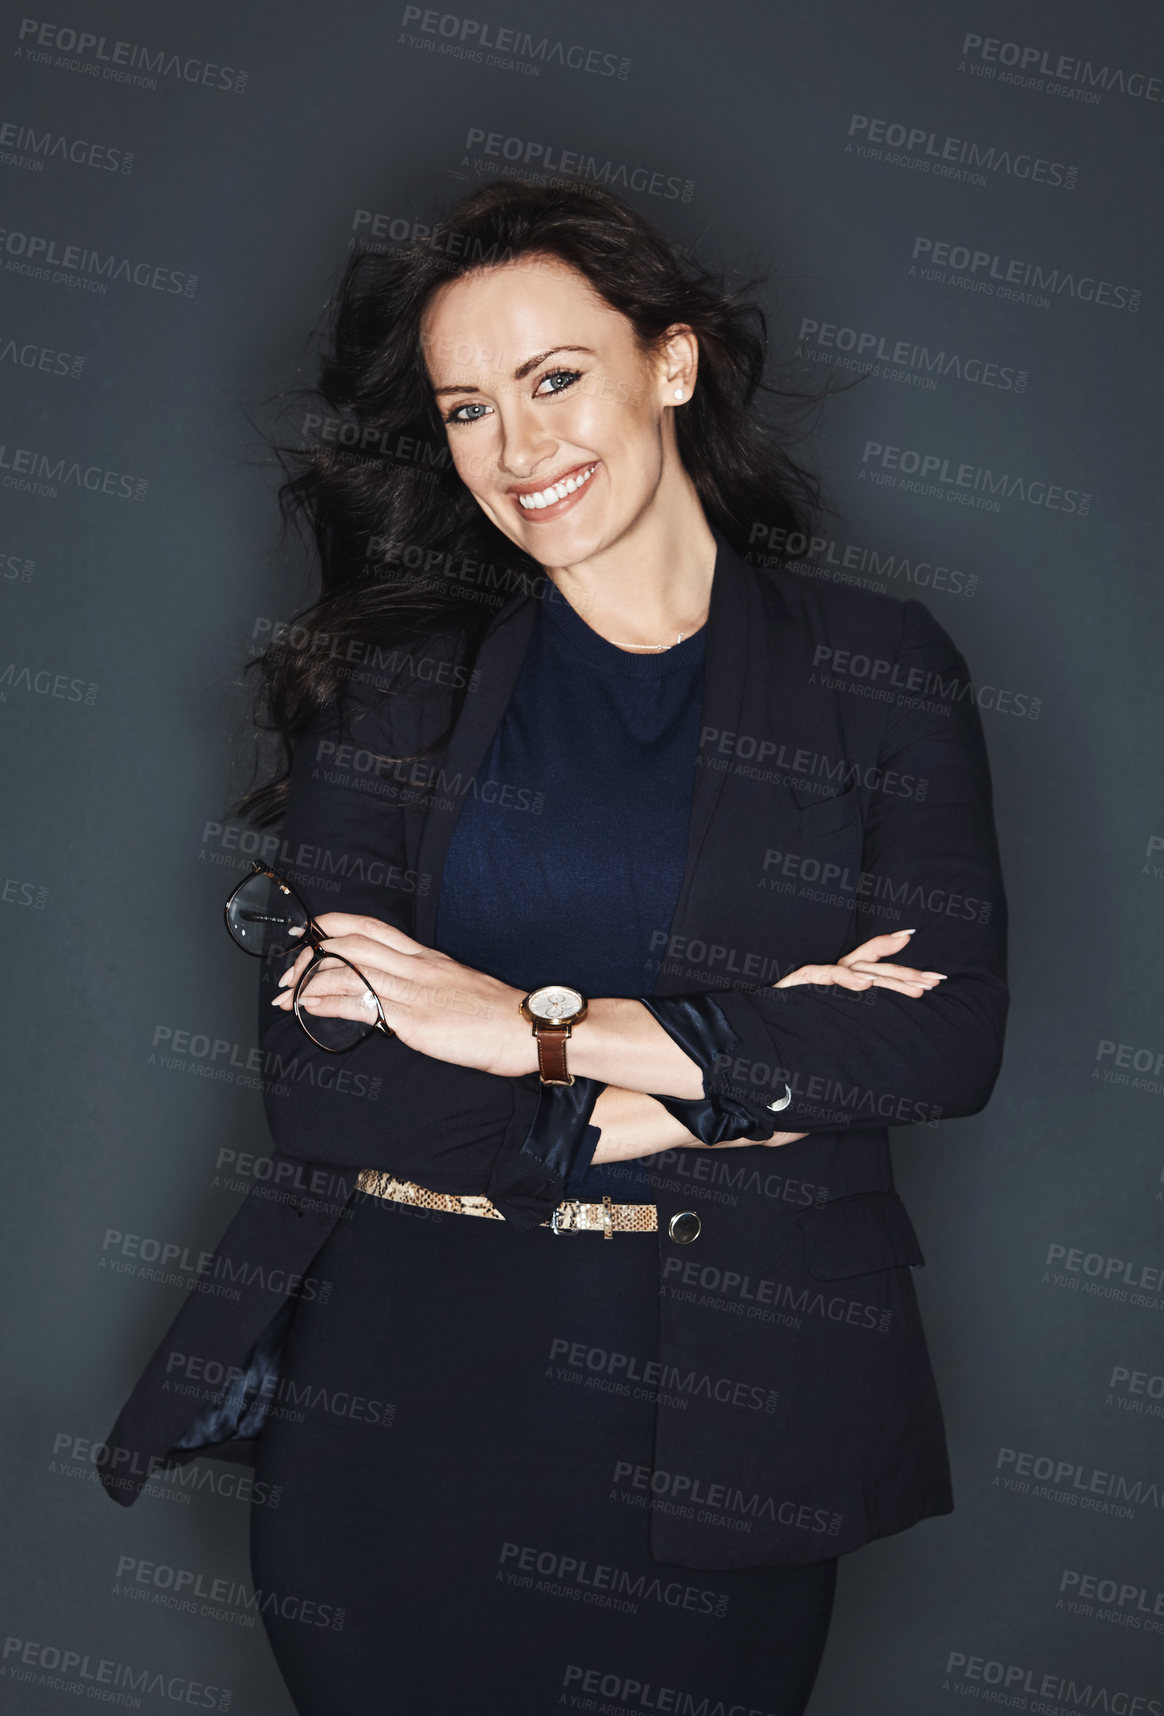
x=525 y=441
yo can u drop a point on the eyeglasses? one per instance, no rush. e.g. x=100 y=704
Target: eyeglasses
x=267 y=918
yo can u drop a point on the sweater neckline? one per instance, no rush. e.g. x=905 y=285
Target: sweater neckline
x=568 y=632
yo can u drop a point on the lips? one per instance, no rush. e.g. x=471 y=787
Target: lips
x=555 y=498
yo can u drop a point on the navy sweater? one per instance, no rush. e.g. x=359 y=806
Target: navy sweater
x=572 y=874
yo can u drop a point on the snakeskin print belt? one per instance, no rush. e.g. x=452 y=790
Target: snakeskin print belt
x=571 y=1216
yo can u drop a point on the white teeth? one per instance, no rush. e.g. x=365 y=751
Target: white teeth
x=559 y=491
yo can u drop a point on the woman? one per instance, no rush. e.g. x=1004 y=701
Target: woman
x=621 y=843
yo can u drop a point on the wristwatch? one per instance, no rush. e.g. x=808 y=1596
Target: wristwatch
x=553 y=1010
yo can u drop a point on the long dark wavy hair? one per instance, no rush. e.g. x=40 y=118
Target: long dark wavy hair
x=392 y=525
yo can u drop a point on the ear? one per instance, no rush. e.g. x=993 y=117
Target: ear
x=678 y=364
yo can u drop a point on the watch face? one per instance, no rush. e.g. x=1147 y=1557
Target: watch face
x=554 y=1002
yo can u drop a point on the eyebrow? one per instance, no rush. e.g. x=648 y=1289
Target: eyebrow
x=526 y=368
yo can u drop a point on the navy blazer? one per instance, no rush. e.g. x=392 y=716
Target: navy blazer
x=842 y=790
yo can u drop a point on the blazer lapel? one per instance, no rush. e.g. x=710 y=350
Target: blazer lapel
x=733 y=619
x=498 y=664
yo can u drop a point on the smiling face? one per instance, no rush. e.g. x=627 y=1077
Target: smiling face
x=557 y=421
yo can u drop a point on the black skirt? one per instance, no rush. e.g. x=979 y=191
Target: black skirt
x=461 y=1453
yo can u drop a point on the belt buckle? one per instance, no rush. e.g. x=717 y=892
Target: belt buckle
x=555 y=1227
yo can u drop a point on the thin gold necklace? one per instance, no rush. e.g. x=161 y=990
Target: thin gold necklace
x=678 y=640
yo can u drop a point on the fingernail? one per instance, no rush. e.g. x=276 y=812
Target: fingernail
x=286 y=978
x=905 y=932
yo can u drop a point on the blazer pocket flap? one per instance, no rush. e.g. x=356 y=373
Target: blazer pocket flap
x=827 y=815
x=857 y=1235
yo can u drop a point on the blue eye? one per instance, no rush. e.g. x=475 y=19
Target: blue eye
x=567 y=378
x=454 y=416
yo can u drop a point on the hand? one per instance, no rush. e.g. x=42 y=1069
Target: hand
x=862 y=969
x=758 y=1143
x=434 y=1004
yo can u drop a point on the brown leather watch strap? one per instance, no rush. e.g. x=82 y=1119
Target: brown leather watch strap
x=552 y=1053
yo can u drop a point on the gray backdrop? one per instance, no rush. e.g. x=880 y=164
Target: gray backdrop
x=958 y=199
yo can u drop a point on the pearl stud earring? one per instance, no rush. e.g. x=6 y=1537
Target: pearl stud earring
x=679 y=393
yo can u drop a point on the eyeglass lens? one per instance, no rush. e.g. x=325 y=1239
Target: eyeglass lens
x=329 y=976
x=264 y=920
